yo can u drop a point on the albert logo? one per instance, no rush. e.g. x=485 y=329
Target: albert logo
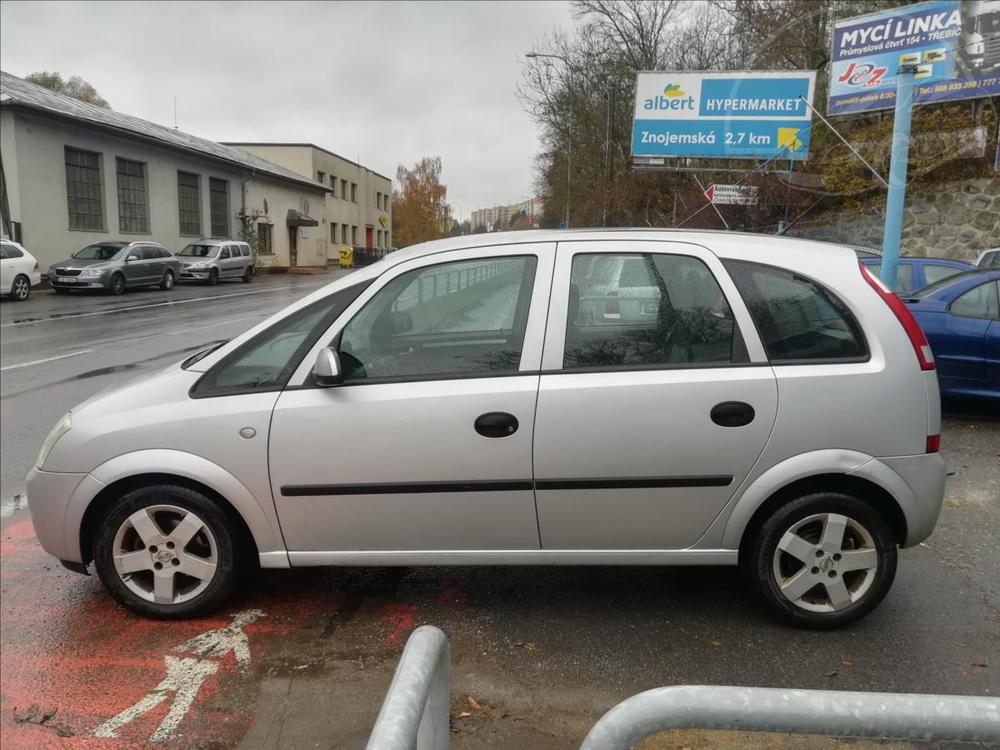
x=672 y=98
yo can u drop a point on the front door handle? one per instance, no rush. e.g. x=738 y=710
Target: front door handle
x=732 y=414
x=496 y=424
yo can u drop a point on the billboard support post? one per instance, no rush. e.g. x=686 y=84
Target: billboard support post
x=897 y=174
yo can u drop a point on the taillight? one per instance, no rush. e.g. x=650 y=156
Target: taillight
x=933 y=443
x=916 y=334
x=35 y=269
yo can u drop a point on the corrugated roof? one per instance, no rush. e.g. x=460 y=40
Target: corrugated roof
x=15 y=91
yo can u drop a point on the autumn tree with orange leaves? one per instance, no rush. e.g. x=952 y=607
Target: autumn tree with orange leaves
x=419 y=209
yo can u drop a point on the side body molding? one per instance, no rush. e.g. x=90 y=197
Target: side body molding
x=258 y=515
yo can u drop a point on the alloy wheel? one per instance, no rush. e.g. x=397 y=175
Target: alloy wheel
x=825 y=562
x=21 y=289
x=165 y=554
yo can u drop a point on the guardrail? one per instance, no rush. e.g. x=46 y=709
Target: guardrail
x=415 y=713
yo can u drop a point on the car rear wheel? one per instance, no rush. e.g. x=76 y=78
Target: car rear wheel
x=248 y=275
x=117 y=284
x=168 y=281
x=213 y=277
x=823 y=560
x=20 y=290
x=167 y=552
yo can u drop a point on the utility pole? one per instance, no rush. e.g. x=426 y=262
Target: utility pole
x=897 y=174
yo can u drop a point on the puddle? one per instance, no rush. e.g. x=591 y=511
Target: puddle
x=9 y=507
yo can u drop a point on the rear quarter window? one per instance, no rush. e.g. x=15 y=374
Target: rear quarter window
x=799 y=320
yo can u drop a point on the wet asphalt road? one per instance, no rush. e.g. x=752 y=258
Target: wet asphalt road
x=537 y=653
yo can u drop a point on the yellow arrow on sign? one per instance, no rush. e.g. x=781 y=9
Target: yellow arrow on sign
x=789 y=137
x=381 y=219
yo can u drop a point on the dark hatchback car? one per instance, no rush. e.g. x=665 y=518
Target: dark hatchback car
x=115 y=267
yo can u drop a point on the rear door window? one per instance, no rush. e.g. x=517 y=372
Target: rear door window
x=904 y=275
x=647 y=310
x=979 y=302
x=799 y=321
x=934 y=272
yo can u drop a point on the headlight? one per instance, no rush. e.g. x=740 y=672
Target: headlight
x=196 y=266
x=91 y=272
x=61 y=428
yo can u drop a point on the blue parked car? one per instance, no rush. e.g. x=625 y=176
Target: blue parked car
x=961 y=317
x=916 y=273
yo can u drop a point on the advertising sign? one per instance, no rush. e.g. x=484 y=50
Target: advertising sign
x=954 y=47
x=722 y=115
x=732 y=195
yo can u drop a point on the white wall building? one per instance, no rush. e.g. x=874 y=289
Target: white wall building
x=358 y=208
x=74 y=173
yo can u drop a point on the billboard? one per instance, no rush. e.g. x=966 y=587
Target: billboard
x=722 y=115
x=954 y=46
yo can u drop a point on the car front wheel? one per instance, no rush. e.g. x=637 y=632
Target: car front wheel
x=167 y=552
x=823 y=560
x=117 y=284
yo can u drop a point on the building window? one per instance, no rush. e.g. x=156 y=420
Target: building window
x=343 y=234
x=354 y=236
x=354 y=192
x=321 y=177
x=333 y=233
x=333 y=185
x=218 y=199
x=264 y=239
x=343 y=190
x=84 y=192
x=378 y=201
x=133 y=210
x=189 y=203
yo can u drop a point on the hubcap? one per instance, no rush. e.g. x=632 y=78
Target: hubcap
x=165 y=554
x=21 y=288
x=825 y=562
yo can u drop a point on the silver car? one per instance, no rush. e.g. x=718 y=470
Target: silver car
x=215 y=260
x=115 y=267
x=455 y=404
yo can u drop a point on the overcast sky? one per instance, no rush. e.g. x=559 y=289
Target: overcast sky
x=380 y=83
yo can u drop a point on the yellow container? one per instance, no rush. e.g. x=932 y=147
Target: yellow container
x=346 y=257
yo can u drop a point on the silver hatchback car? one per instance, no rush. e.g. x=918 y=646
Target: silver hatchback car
x=455 y=404
x=213 y=261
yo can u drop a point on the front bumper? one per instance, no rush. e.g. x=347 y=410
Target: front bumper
x=50 y=496
x=199 y=275
x=79 y=282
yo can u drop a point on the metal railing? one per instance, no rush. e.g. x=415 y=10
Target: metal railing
x=415 y=713
x=416 y=710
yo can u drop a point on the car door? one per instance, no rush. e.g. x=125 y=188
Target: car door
x=156 y=261
x=6 y=268
x=226 y=262
x=647 y=421
x=960 y=348
x=135 y=266
x=426 y=446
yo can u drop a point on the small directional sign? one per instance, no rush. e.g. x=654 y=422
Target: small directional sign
x=732 y=195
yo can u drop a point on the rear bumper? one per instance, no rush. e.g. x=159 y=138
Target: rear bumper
x=924 y=475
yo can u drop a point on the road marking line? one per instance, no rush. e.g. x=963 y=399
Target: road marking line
x=43 y=361
x=185 y=676
x=136 y=308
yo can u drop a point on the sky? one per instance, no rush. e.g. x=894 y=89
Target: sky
x=380 y=83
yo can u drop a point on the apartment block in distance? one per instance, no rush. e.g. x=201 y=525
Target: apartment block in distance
x=498 y=218
x=358 y=209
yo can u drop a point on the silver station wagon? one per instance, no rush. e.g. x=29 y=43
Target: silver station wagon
x=577 y=397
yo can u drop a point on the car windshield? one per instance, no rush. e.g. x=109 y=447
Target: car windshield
x=97 y=252
x=927 y=291
x=199 y=251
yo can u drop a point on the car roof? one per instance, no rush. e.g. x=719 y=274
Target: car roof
x=921 y=259
x=204 y=241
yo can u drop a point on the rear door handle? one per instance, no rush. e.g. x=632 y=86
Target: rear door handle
x=496 y=424
x=732 y=414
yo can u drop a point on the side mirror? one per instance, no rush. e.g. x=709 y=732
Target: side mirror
x=132 y=259
x=326 y=372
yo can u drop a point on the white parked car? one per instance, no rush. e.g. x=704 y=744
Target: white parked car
x=753 y=401
x=18 y=271
x=989 y=258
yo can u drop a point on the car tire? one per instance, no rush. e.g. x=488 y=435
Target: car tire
x=20 y=289
x=198 y=576
x=213 y=277
x=117 y=284
x=168 y=281
x=809 y=579
x=248 y=275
